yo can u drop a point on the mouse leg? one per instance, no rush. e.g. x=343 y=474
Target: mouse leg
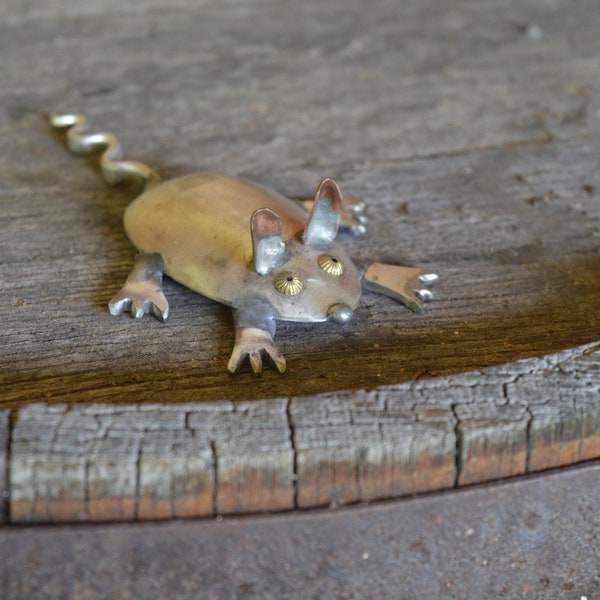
x=254 y=331
x=142 y=292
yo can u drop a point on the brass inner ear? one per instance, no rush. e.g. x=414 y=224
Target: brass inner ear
x=330 y=265
x=288 y=283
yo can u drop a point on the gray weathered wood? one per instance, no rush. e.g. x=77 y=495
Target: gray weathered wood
x=476 y=149
x=532 y=538
x=363 y=446
x=122 y=463
x=492 y=441
x=107 y=462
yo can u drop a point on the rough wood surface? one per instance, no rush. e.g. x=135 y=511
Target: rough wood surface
x=525 y=538
x=473 y=139
x=109 y=462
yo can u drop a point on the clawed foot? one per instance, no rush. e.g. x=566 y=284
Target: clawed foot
x=353 y=219
x=142 y=293
x=254 y=344
x=142 y=300
x=404 y=284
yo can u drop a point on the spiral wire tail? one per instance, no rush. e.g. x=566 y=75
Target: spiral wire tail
x=114 y=170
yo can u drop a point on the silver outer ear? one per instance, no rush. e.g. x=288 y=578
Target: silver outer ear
x=324 y=219
x=269 y=249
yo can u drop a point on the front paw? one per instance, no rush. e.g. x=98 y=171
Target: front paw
x=254 y=344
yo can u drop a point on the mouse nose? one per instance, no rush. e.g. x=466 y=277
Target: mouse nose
x=340 y=313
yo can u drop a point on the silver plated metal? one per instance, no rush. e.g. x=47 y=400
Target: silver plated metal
x=114 y=170
x=142 y=293
x=242 y=245
x=404 y=284
x=267 y=244
x=352 y=219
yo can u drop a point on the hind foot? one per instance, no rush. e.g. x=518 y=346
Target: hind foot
x=142 y=293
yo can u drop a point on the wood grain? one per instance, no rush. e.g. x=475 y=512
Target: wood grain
x=364 y=446
x=109 y=462
x=476 y=149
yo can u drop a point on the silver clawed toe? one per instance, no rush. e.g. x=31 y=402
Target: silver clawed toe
x=405 y=284
x=142 y=293
x=253 y=343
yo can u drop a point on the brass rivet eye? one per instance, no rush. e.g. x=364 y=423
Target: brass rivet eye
x=288 y=283
x=330 y=265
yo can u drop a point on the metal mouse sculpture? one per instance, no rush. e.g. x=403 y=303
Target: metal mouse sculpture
x=242 y=245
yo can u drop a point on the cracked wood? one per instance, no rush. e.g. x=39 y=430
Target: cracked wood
x=476 y=151
x=107 y=463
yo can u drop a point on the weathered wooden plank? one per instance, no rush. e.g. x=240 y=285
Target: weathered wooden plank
x=563 y=403
x=412 y=460
x=510 y=228
x=528 y=292
x=253 y=455
x=353 y=448
x=532 y=538
x=391 y=83
x=475 y=147
x=493 y=442
x=103 y=463
x=44 y=485
x=177 y=478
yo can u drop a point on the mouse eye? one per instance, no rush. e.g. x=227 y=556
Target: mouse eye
x=330 y=265
x=288 y=283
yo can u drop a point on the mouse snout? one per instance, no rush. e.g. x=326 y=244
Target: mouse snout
x=339 y=313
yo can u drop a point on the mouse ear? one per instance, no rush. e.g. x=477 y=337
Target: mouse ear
x=325 y=215
x=269 y=249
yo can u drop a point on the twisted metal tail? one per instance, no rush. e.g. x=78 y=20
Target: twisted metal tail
x=113 y=170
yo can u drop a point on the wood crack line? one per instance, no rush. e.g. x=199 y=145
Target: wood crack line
x=5 y=508
x=292 y=435
x=215 y=468
x=528 y=441
x=457 y=446
x=138 y=476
